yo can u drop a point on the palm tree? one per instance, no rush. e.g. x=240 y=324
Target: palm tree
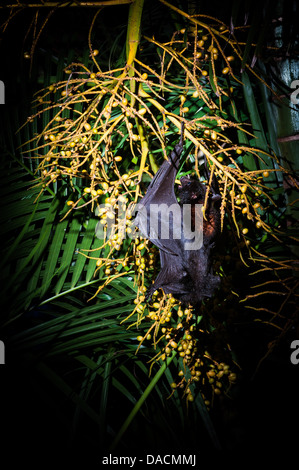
x=93 y=362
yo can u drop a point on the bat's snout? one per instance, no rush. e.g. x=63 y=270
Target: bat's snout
x=185 y=180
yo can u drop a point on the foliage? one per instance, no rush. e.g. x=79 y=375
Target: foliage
x=77 y=273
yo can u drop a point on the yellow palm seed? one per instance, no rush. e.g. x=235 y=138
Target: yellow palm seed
x=225 y=70
x=244 y=231
x=204 y=73
x=105 y=185
x=244 y=188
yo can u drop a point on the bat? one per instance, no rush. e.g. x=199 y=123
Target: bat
x=186 y=264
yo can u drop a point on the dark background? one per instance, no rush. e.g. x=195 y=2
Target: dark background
x=264 y=417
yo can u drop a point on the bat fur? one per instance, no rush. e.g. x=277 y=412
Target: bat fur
x=187 y=274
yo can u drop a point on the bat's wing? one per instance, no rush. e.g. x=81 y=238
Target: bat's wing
x=161 y=188
x=159 y=207
x=171 y=276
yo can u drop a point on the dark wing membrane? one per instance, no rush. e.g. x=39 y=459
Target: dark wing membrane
x=161 y=192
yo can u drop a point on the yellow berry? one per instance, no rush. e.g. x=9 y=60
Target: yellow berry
x=185 y=109
x=244 y=188
x=265 y=174
x=244 y=231
x=95 y=52
x=105 y=185
x=230 y=58
x=258 y=224
x=225 y=70
x=204 y=73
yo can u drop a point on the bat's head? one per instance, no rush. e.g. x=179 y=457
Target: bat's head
x=191 y=191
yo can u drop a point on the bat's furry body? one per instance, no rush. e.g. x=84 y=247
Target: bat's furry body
x=187 y=274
